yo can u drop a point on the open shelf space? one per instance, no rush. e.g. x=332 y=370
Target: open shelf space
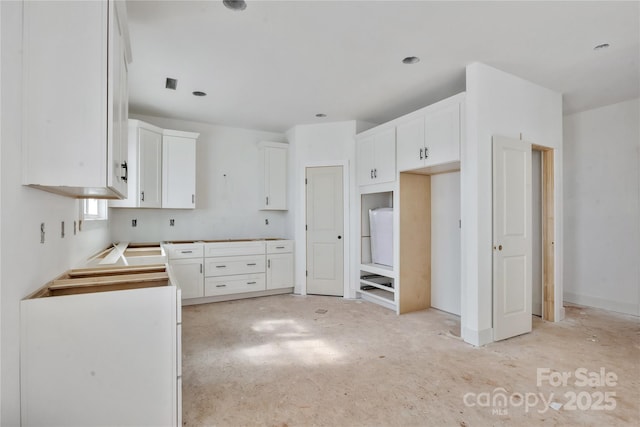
x=378 y=296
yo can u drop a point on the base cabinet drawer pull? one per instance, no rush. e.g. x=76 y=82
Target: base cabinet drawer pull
x=253 y=263
x=186 y=252
x=221 y=266
x=251 y=283
x=221 y=286
x=279 y=247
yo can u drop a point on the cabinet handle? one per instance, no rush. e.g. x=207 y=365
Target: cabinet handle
x=221 y=286
x=267 y=198
x=142 y=196
x=186 y=252
x=279 y=247
x=251 y=283
x=193 y=199
x=426 y=152
x=268 y=263
x=371 y=173
x=200 y=268
x=375 y=173
x=421 y=154
x=253 y=263
x=124 y=166
x=221 y=266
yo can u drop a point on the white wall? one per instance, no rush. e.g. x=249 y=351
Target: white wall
x=229 y=180
x=602 y=207
x=322 y=145
x=445 y=242
x=26 y=263
x=499 y=104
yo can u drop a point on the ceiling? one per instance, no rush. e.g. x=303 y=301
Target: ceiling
x=277 y=64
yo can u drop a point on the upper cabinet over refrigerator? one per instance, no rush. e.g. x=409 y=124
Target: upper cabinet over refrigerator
x=75 y=98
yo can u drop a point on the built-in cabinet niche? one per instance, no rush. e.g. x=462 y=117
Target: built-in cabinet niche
x=162 y=171
x=425 y=196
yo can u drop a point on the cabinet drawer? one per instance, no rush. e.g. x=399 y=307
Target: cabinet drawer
x=280 y=246
x=233 y=284
x=226 y=266
x=190 y=250
x=234 y=248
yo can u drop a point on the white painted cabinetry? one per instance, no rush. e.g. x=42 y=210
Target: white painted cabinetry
x=75 y=98
x=280 y=264
x=145 y=167
x=430 y=136
x=179 y=169
x=376 y=156
x=186 y=263
x=274 y=158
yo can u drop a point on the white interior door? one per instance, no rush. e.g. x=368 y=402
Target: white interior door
x=325 y=228
x=512 y=242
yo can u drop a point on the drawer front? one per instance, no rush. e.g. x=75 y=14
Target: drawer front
x=280 y=246
x=234 y=284
x=182 y=251
x=226 y=266
x=234 y=248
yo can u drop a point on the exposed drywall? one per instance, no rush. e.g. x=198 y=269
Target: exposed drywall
x=602 y=207
x=445 y=242
x=26 y=263
x=228 y=191
x=499 y=104
x=322 y=145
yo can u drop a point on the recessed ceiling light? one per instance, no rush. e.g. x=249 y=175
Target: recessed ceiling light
x=171 y=83
x=321 y=115
x=601 y=46
x=235 y=4
x=411 y=60
x=198 y=93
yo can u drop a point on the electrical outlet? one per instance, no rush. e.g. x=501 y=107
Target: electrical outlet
x=172 y=222
x=266 y=221
x=134 y=222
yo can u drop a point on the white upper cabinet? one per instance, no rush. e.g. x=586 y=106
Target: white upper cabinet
x=376 y=157
x=145 y=167
x=431 y=136
x=75 y=98
x=179 y=169
x=274 y=158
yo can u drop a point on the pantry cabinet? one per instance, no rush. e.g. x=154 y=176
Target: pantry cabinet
x=376 y=156
x=75 y=98
x=431 y=136
x=274 y=160
x=179 y=169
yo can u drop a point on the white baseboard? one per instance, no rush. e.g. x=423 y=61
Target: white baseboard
x=589 y=301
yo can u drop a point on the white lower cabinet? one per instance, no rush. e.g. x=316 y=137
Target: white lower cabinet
x=234 y=284
x=279 y=271
x=189 y=274
x=226 y=266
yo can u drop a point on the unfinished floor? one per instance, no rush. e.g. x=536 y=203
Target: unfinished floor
x=297 y=361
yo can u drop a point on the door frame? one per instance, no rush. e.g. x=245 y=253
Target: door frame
x=548 y=231
x=346 y=219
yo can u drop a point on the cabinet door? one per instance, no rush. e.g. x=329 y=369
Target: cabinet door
x=279 y=271
x=365 y=160
x=178 y=172
x=384 y=169
x=410 y=140
x=442 y=135
x=149 y=169
x=190 y=277
x=275 y=179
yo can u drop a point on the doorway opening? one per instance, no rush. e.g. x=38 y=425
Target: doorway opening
x=544 y=271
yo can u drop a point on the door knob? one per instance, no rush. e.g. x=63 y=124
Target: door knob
x=499 y=247
x=339 y=237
